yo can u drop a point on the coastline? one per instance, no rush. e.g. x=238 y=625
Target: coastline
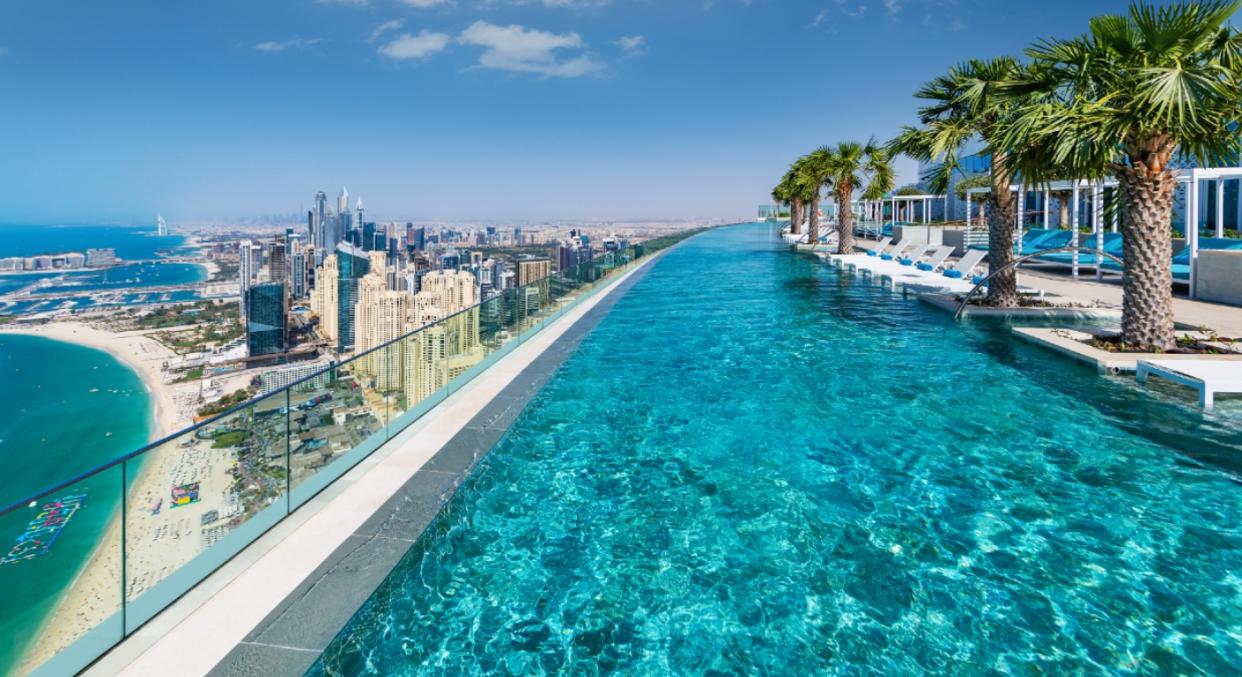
x=143 y=355
x=93 y=595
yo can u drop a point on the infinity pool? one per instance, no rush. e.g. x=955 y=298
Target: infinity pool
x=756 y=464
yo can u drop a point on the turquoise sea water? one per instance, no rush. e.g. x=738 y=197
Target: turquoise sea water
x=67 y=409
x=131 y=243
x=759 y=465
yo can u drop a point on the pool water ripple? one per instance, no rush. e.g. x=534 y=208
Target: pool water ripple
x=758 y=465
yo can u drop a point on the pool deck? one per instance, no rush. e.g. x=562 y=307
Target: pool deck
x=1225 y=320
x=274 y=608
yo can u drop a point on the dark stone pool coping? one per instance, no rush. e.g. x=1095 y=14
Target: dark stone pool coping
x=295 y=633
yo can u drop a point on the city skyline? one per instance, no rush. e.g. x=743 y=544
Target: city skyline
x=563 y=110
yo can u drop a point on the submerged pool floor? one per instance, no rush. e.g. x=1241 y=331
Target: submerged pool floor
x=758 y=465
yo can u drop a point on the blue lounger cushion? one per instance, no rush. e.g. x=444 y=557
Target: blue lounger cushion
x=905 y=262
x=886 y=257
x=954 y=274
x=871 y=253
x=977 y=279
x=924 y=266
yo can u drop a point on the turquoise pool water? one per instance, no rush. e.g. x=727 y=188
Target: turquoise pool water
x=758 y=465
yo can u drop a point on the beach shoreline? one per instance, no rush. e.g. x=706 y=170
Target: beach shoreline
x=141 y=354
x=94 y=594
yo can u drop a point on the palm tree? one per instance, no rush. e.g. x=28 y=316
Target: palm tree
x=790 y=189
x=962 y=188
x=975 y=100
x=1124 y=100
x=816 y=167
x=781 y=195
x=855 y=165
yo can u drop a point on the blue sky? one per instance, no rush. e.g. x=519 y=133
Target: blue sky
x=465 y=109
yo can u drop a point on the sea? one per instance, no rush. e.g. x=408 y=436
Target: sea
x=132 y=243
x=66 y=409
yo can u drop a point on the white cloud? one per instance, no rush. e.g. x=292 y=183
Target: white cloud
x=633 y=44
x=342 y=2
x=385 y=27
x=419 y=46
x=524 y=50
x=421 y=4
x=282 y=45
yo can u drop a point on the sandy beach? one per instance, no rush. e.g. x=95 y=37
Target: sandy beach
x=159 y=537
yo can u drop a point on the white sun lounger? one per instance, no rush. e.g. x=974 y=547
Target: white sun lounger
x=1209 y=377
x=864 y=261
x=935 y=259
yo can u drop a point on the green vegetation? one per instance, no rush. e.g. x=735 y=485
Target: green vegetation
x=224 y=440
x=226 y=271
x=1125 y=100
x=191 y=375
x=227 y=402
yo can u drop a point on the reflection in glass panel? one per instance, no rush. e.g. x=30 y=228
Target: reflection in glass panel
x=190 y=492
x=329 y=415
x=60 y=576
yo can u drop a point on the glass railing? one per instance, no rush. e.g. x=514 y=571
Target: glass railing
x=145 y=528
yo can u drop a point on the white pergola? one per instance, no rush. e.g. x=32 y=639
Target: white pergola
x=1190 y=180
x=874 y=209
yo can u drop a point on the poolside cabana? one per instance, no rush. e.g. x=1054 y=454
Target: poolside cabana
x=916 y=204
x=1190 y=181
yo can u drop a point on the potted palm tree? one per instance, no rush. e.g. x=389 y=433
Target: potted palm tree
x=975 y=100
x=1124 y=100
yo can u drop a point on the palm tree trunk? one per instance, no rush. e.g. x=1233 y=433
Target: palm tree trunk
x=1147 y=249
x=795 y=216
x=1003 y=288
x=813 y=224
x=845 y=223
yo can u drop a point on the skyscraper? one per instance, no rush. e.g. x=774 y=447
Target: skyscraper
x=325 y=299
x=532 y=269
x=267 y=309
x=438 y=354
x=352 y=264
x=342 y=202
x=277 y=262
x=245 y=271
x=297 y=275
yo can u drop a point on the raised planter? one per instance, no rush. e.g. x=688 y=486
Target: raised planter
x=1220 y=276
x=955 y=237
x=1073 y=344
x=1073 y=309
x=919 y=234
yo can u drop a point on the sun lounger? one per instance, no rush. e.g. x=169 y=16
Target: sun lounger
x=966 y=265
x=877 y=250
x=1209 y=377
x=915 y=255
x=897 y=250
x=935 y=259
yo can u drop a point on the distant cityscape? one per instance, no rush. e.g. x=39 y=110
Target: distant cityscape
x=279 y=303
